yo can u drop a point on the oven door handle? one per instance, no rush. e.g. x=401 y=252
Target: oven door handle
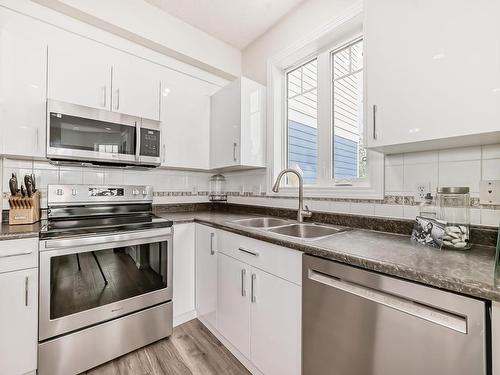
x=155 y=236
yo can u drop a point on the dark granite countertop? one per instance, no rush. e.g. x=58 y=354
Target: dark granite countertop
x=468 y=272
x=12 y=232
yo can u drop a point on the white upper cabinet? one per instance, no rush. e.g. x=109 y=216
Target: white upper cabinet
x=80 y=73
x=185 y=118
x=136 y=86
x=238 y=126
x=90 y=74
x=23 y=64
x=432 y=74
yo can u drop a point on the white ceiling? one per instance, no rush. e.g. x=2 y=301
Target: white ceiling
x=236 y=22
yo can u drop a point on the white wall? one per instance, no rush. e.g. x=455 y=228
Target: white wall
x=303 y=20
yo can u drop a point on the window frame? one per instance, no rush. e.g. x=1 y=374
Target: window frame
x=319 y=45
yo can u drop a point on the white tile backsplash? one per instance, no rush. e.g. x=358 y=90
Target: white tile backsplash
x=460 y=173
x=419 y=173
x=420 y=157
x=459 y=154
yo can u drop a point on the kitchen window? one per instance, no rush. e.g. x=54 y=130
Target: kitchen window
x=322 y=124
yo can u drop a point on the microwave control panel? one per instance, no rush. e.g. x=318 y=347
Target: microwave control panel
x=150 y=142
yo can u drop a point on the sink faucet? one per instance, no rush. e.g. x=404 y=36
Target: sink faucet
x=301 y=213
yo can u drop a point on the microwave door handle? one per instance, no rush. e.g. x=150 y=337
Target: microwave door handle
x=137 y=141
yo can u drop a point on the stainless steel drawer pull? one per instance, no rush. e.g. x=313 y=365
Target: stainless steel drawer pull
x=243 y=289
x=252 y=288
x=212 y=251
x=26 y=290
x=234 y=151
x=375 y=121
x=242 y=249
x=408 y=306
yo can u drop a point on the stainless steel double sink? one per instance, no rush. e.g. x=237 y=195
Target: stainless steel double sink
x=289 y=228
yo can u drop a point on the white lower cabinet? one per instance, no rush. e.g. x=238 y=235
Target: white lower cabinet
x=233 y=302
x=183 y=274
x=18 y=321
x=259 y=312
x=206 y=274
x=275 y=320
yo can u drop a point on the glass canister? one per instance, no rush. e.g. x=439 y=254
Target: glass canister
x=453 y=208
x=217 y=188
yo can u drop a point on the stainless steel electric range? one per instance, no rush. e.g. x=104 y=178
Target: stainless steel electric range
x=105 y=276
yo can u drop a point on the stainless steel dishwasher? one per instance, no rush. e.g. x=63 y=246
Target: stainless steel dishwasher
x=358 y=322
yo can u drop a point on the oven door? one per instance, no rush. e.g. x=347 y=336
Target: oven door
x=92 y=279
x=82 y=133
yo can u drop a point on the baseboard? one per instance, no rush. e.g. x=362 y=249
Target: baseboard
x=239 y=356
x=185 y=317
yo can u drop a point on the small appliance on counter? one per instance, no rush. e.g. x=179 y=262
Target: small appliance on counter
x=24 y=203
x=217 y=188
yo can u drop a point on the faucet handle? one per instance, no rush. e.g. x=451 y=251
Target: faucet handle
x=307 y=212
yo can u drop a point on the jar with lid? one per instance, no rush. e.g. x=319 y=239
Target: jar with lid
x=453 y=208
x=217 y=188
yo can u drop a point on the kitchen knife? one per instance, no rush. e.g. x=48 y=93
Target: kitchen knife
x=23 y=191
x=29 y=188
x=33 y=182
x=13 y=186
x=27 y=178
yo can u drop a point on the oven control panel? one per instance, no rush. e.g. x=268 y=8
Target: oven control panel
x=88 y=194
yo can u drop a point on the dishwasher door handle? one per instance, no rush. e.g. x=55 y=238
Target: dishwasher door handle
x=434 y=315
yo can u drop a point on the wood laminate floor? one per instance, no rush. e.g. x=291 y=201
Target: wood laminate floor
x=191 y=350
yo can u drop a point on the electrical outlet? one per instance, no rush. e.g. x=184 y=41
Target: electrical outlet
x=421 y=190
x=489 y=192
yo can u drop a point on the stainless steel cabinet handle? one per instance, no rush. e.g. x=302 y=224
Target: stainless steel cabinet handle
x=250 y=252
x=243 y=289
x=164 y=154
x=26 y=289
x=117 y=99
x=415 y=308
x=234 y=151
x=374 y=121
x=252 y=288
x=212 y=251
x=104 y=88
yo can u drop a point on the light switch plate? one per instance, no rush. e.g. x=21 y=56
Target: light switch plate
x=489 y=192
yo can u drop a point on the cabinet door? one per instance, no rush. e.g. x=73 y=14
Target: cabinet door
x=253 y=124
x=233 y=310
x=136 y=87
x=225 y=140
x=183 y=292
x=19 y=321
x=206 y=273
x=185 y=117
x=275 y=321
x=80 y=73
x=23 y=74
x=429 y=76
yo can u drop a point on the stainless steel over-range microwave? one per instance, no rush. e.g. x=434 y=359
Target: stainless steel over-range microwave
x=85 y=134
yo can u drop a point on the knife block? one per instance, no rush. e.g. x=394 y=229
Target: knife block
x=24 y=210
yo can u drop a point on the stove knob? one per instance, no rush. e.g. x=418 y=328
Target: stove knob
x=74 y=192
x=59 y=192
x=144 y=193
x=135 y=192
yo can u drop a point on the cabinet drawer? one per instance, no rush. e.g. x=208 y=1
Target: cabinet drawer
x=277 y=260
x=18 y=254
